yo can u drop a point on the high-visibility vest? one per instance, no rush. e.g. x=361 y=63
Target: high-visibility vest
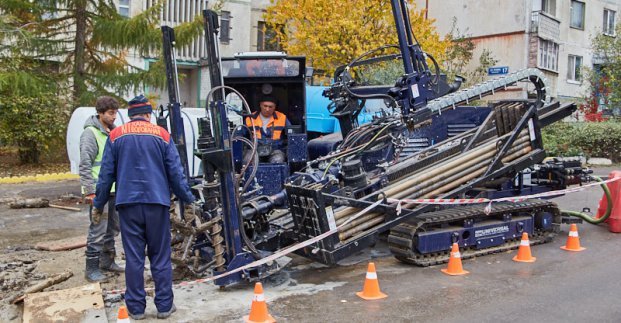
x=275 y=126
x=101 y=144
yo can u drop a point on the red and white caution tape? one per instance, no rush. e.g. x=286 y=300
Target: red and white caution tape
x=324 y=235
x=269 y=258
x=489 y=202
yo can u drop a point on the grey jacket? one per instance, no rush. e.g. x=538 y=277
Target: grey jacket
x=88 y=153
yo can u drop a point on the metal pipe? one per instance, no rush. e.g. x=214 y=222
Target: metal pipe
x=343 y=236
x=437 y=169
x=456 y=179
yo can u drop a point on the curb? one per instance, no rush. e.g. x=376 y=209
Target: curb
x=38 y=178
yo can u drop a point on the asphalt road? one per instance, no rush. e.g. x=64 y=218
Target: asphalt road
x=559 y=287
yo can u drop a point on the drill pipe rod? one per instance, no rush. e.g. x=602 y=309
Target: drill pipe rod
x=354 y=223
x=448 y=164
x=360 y=228
x=451 y=165
x=479 y=172
x=463 y=177
x=456 y=176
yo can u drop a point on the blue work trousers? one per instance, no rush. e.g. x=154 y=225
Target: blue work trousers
x=101 y=235
x=146 y=225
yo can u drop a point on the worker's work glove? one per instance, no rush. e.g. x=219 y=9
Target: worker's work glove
x=96 y=215
x=88 y=199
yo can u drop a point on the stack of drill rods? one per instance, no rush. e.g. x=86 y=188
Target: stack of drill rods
x=437 y=172
x=462 y=174
x=436 y=186
x=443 y=186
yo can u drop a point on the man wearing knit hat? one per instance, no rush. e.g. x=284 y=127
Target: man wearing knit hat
x=142 y=159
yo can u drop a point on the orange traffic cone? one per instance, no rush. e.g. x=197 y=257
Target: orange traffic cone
x=454 y=265
x=371 y=289
x=573 y=240
x=122 y=317
x=523 y=254
x=258 y=310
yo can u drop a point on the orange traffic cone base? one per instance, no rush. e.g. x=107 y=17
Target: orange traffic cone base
x=532 y=259
x=269 y=319
x=568 y=249
x=371 y=288
x=573 y=240
x=454 y=267
x=258 y=309
x=379 y=295
x=448 y=272
x=524 y=254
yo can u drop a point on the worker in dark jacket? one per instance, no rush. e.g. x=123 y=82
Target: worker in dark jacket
x=269 y=129
x=143 y=160
x=100 y=250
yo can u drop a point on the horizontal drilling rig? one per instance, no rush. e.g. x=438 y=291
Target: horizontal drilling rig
x=366 y=183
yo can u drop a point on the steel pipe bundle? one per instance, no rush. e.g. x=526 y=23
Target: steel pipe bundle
x=433 y=182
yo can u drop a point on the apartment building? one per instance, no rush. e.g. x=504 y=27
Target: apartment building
x=241 y=29
x=553 y=35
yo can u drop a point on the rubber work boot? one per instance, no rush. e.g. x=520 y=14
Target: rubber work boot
x=92 y=273
x=165 y=315
x=137 y=317
x=106 y=262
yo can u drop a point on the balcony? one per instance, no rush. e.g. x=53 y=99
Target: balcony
x=545 y=26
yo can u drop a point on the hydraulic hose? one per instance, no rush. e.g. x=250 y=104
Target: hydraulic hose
x=589 y=218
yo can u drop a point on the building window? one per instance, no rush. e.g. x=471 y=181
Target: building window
x=577 y=15
x=266 y=38
x=225 y=27
x=574 y=64
x=548 y=55
x=124 y=8
x=609 y=22
x=549 y=7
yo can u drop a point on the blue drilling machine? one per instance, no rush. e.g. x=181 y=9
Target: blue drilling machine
x=424 y=141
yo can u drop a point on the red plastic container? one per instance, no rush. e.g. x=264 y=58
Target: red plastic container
x=614 y=221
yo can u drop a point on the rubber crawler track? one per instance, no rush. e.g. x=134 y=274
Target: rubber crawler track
x=402 y=238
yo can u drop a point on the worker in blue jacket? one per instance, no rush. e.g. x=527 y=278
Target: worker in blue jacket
x=143 y=161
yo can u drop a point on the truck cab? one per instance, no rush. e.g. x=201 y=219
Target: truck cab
x=255 y=75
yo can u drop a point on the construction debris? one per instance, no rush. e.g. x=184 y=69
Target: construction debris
x=79 y=304
x=42 y=285
x=29 y=203
x=63 y=244
x=37 y=203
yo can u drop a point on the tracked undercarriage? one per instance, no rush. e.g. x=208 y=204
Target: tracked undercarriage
x=498 y=231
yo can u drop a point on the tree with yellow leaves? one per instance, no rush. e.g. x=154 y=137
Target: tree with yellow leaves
x=332 y=33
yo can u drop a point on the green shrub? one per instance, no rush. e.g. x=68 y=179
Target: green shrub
x=591 y=139
x=35 y=124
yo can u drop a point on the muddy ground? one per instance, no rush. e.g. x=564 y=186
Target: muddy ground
x=21 y=264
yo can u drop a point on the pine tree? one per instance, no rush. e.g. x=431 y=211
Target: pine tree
x=56 y=55
x=90 y=42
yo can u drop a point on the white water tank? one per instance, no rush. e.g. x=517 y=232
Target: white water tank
x=76 y=126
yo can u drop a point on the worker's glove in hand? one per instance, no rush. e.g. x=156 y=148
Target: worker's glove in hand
x=96 y=215
x=88 y=199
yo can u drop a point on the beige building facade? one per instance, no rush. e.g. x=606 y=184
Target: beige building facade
x=553 y=35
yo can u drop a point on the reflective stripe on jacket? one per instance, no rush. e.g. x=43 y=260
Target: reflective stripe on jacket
x=274 y=129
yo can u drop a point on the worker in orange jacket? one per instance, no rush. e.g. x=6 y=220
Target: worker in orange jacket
x=270 y=129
